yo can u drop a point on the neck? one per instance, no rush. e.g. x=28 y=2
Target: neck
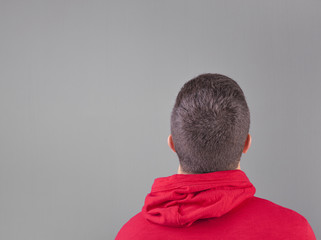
x=180 y=171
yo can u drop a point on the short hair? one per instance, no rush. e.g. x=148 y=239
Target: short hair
x=209 y=124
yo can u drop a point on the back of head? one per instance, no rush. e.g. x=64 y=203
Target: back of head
x=209 y=124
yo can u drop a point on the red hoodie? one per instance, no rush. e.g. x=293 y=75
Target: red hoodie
x=217 y=205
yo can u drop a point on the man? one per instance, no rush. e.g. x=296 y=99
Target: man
x=211 y=197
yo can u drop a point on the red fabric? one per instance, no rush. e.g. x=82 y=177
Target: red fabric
x=218 y=205
x=180 y=200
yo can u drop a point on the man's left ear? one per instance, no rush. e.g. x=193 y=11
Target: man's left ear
x=170 y=142
x=247 y=144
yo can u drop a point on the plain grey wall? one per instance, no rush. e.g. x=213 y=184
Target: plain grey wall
x=86 y=91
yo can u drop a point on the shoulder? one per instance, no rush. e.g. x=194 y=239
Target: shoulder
x=265 y=205
x=133 y=228
x=281 y=218
x=138 y=228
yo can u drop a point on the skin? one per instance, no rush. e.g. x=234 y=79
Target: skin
x=247 y=145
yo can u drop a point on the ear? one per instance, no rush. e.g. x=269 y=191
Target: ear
x=170 y=142
x=247 y=144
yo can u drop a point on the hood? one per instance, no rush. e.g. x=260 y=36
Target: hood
x=181 y=199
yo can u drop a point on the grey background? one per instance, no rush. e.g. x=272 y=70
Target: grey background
x=86 y=91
